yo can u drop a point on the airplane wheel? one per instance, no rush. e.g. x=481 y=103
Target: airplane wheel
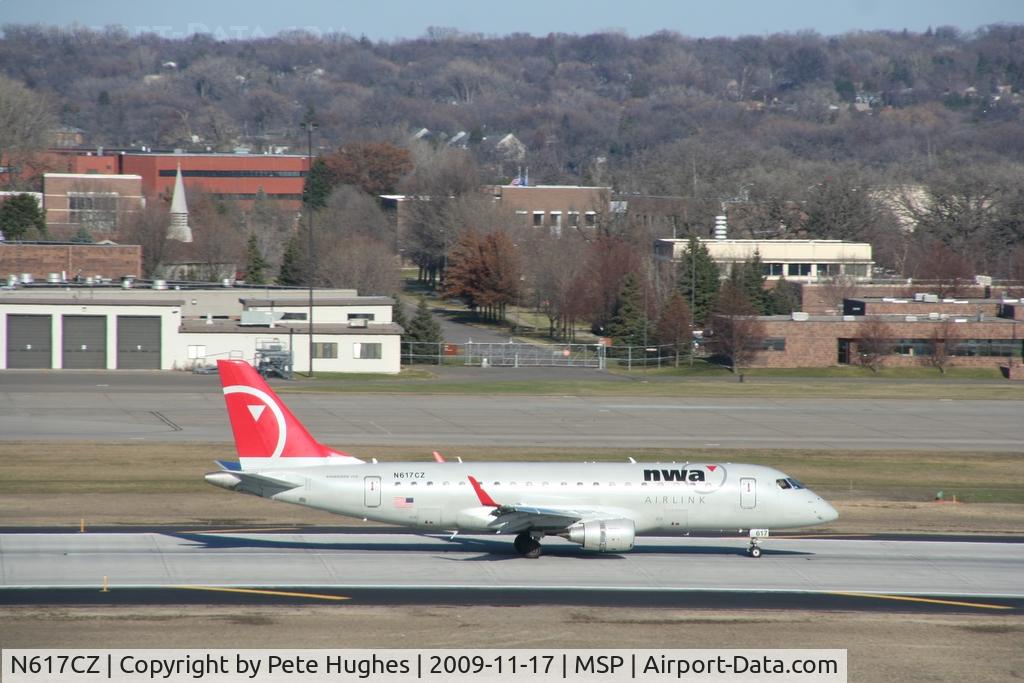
x=527 y=546
x=755 y=552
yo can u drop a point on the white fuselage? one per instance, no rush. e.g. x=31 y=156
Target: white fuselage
x=661 y=498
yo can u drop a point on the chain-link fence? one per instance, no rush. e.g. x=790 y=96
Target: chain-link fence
x=518 y=354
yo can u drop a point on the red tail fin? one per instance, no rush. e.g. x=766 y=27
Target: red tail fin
x=266 y=432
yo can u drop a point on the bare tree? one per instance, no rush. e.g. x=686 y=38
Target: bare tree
x=357 y=261
x=874 y=343
x=148 y=228
x=675 y=324
x=737 y=333
x=945 y=269
x=26 y=126
x=943 y=338
x=838 y=289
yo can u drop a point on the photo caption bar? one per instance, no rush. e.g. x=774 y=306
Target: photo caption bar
x=402 y=666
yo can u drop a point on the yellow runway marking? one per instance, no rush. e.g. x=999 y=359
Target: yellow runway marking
x=238 y=531
x=935 y=601
x=258 y=591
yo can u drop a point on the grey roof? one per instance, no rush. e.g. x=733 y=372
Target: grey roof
x=283 y=328
x=320 y=301
x=68 y=301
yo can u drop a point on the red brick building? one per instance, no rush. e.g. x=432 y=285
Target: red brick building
x=227 y=176
x=912 y=336
x=556 y=206
x=85 y=260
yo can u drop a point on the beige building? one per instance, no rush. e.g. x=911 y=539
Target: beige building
x=794 y=260
x=97 y=202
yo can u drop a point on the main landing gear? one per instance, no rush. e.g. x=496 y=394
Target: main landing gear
x=527 y=546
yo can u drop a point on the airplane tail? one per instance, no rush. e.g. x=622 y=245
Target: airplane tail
x=267 y=435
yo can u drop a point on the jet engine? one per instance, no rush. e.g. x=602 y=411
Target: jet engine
x=604 y=535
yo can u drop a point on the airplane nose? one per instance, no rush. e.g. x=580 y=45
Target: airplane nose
x=825 y=512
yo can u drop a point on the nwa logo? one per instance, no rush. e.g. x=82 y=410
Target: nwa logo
x=703 y=478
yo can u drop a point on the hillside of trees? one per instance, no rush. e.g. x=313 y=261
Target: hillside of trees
x=912 y=141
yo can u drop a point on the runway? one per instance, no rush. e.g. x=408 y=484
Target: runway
x=176 y=408
x=397 y=568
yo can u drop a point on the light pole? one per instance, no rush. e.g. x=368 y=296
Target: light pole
x=693 y=294
x=309 y=126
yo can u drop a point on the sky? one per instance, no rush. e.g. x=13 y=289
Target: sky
x=397 y=19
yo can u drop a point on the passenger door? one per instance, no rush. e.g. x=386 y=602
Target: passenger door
x=748 y=493
x=371 y=492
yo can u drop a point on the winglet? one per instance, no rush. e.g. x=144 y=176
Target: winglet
x=485 y=499
x=438 y=457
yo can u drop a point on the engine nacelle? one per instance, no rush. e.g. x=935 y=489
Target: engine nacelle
x=605 y=535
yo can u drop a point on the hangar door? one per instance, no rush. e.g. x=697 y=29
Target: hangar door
x=85 y=342
x=29 y=341
x=138 y=342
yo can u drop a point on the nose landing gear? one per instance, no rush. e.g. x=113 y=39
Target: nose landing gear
x=754 y=549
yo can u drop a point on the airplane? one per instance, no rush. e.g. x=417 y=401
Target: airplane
x=601 y=506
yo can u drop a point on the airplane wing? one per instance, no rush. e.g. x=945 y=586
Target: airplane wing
x=512 y=519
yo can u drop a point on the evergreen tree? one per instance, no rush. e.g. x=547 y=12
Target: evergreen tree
x=783 y=299
x=399 y=318
x=751 y=279
x=82 y=236
x=293 y=269
x=19 y=215
x=698 y=280
x=424 y=332
x=318 y=185
x=255 y=264
x=630 y=326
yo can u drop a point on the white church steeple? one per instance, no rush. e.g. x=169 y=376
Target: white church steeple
x=179 y=229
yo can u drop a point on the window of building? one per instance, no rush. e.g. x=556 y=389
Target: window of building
x=524 y=216
x=913 y=347
x=829 y=269
x=293 y=316
x=574 y=219
x=93 y=209
x=1003 y=348
x=366 y=351
x=222 y=173
x=798 y=269
x=590 y=219
x=773 y=344
x=772 y=269
x=556 y=219
x=325 y=350
x=856 y=269
x=362 y=316
x=538 y=219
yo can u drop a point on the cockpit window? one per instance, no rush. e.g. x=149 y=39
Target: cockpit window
x=795 y=484
x=783 y=483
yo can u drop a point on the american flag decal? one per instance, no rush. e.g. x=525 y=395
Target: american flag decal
x=403 y=502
